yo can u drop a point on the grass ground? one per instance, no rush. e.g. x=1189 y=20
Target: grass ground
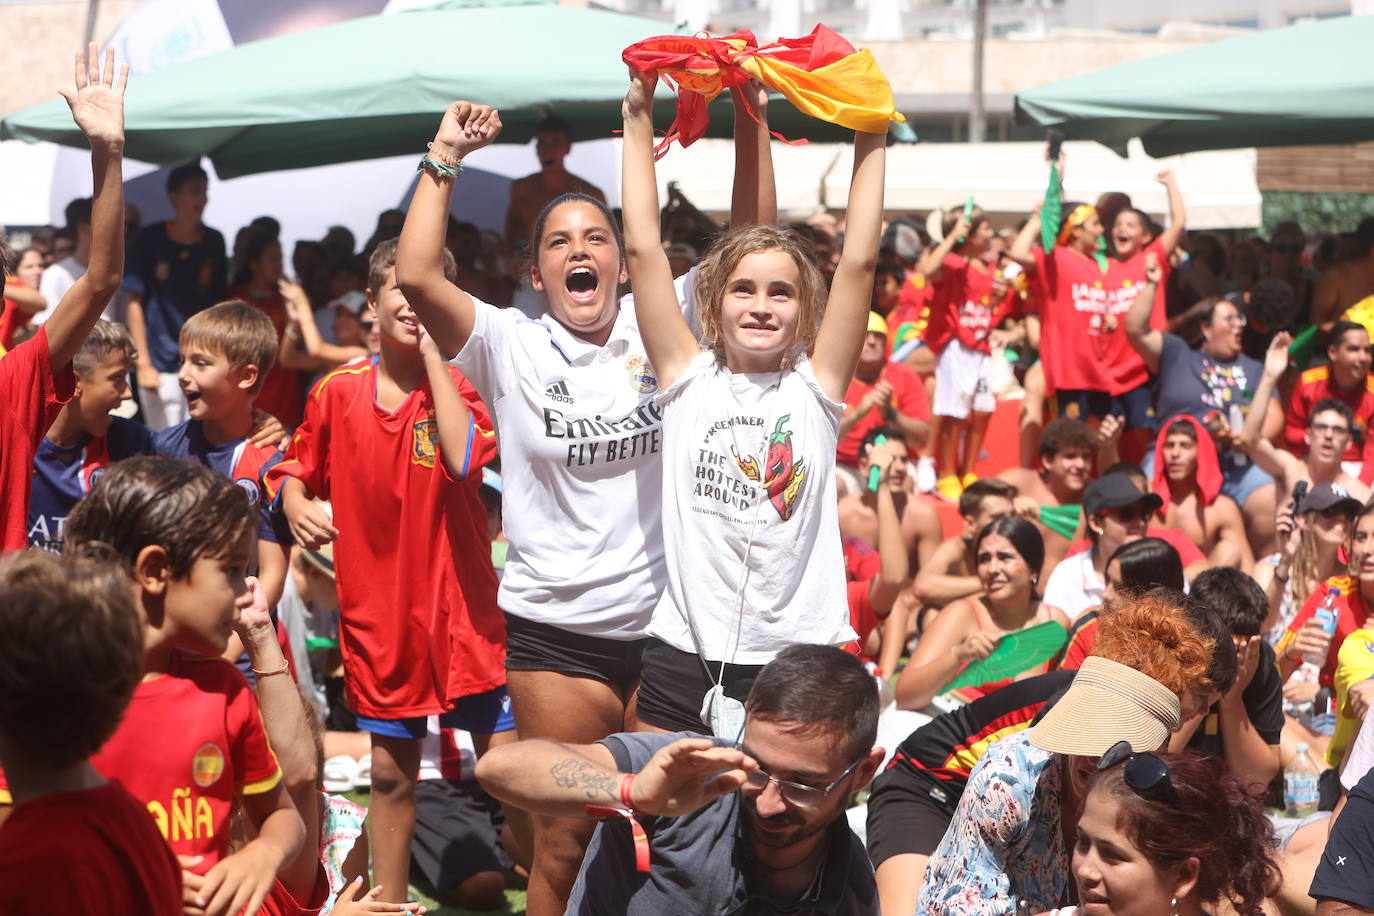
x=515 y=899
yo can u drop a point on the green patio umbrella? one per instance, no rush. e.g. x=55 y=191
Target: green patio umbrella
x=1304 y=84
x=376 y=86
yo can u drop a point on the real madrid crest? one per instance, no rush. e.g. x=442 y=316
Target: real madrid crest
x=642 y=377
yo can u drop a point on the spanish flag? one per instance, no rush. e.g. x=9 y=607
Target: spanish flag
x=821 y=74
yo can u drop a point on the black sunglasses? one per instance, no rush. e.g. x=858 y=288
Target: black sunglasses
x=1147 y=775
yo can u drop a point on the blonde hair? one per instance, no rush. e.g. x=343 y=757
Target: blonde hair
x=725 y=255
x=242 y=333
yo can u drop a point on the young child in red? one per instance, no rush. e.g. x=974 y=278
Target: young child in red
x=192 y=743
x=396 y=444
x=71 y=654
x=35 y=376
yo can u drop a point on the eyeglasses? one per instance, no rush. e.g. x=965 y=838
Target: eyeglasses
x=1127 y=514
x=1147 y=775
x=1327 y=429
x=794 y=793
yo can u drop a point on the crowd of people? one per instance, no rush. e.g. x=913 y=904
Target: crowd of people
x=601 y=552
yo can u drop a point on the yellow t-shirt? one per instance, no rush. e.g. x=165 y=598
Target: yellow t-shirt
x=1355 y=663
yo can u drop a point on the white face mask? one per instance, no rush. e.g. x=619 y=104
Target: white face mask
x=724 y=714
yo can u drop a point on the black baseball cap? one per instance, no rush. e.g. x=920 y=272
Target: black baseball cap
x=1326 y=496
x=1114 y=491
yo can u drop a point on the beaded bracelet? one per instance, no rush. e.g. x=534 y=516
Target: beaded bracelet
x=439 y=169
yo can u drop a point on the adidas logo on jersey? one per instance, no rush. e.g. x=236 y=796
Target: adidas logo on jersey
x=558 y=391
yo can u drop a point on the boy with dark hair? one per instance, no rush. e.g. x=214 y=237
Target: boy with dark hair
x=85 y=438
x=70 y=658
x=1347 y=379
x=62 y=274
x=420 y=630
x=1066 y=461
x=1331 y=429
x=34 y=375
x=192 y=741
x=226 y=351
x=858 y=512
x=174 y=269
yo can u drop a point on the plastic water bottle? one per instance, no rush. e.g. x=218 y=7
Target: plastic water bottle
x=1300 y=783
x=1326 y=616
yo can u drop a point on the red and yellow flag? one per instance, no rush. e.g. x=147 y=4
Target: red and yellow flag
x=821 y=74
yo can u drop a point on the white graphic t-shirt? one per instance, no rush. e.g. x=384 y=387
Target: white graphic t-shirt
x=742 y=453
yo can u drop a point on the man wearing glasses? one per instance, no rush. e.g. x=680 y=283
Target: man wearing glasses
x=1347 y=380
x=701 y=825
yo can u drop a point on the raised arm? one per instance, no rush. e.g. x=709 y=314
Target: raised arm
x=97 y=106
x=547 y=777
x=934 y=258
x=1023 y=246
x=841 y=336
x=446 y=311
x=318 y=355
x=1147 y=341
x=1271 y=460
x=1178 y=214
x=892 y=553
x=667 y=338
x=754 y=197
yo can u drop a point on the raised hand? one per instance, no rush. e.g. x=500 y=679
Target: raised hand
x=688 y=774
x=1276 y=357
x=640 y=98
x=467 y=127
x=1153 y=272
x=97 y=103
x=257 y=614
x=1166 y=177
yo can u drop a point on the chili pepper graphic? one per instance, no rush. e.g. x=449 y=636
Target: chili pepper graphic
x=783 y=478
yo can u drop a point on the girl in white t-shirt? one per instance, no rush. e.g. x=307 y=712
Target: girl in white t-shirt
x=751 y=421
x=572 y=398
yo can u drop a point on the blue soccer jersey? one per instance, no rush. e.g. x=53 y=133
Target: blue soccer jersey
x=61 y=476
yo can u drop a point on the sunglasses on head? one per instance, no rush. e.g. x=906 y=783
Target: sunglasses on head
x=1147 y=775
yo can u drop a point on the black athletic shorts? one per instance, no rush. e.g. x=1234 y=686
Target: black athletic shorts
x=532 y=646
x=457 y=827
x=908 y=812
x=674 y=685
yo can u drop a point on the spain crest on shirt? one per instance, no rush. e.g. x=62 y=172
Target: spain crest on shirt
x=424 y=442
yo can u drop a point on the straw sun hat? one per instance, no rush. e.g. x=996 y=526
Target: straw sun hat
x=1106 y=703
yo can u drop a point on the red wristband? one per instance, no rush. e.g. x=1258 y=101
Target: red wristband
x=637 y=832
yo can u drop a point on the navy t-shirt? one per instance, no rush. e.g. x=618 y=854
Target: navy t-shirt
x=1346 y=869
x=240 y=461
x=1194 y=383
x=61 y=476
x=175 y=281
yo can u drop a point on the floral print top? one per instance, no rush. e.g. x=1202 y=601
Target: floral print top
x=1004 y=846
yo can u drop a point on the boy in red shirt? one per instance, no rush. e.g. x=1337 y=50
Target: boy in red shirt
x=36 y=376
x=70 y=658
x=881 y=393
x=192 y=742
x=1346 y=379
x=969 y=301
x=407 y=435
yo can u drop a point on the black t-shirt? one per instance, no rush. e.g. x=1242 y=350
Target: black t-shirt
x=947 y=747
x=1346 y=870
x=1263 y=700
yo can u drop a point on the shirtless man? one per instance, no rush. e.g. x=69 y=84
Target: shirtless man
x=1066 y=455
x=1348 y=283
x=950 y=574
x=1328 y=434
x=1212 y=521
x=529 y=195
x=858 y=512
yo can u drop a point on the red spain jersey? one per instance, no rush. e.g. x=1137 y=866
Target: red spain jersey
x=189 y=742
x=1125 y=280
x=1315 y=385
x=33 y=395
x=962 y=306
x=1074 y=345
x=417 y=593
x=908 y=397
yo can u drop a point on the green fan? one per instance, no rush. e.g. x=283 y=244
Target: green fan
x=1061 y=519
x=1015 y=652
x=1300 y=350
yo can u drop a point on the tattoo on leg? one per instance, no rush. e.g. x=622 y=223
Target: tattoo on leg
x=596 y=783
